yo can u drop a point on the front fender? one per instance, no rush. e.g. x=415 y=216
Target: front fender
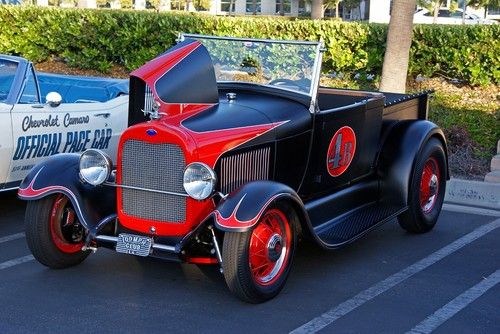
x=59 y=174
x=242 y=209
x=399 y=155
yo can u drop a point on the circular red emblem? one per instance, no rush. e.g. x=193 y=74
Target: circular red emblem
x=341 y=151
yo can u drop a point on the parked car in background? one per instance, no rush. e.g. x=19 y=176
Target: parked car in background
x=44 y=114
x=239 y=155
x=446 y=16
x=11 y=2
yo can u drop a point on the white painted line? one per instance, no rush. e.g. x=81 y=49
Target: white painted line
x=11 y=237
x=342 y=309
x=471 y=209
x=15 y=262
x=456 y=305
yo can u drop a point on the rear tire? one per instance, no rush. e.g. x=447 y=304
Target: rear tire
x=427 y=189
x=257 y=262
x=53 y=232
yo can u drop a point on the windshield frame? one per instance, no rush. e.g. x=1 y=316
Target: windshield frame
x=18 y=84
x=316 y=69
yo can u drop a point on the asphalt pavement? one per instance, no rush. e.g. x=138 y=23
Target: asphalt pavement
x=445 y=281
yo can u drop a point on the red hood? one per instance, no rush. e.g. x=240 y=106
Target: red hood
x=205 y=146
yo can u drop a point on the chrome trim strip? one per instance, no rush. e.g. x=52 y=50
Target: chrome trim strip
x=162 y=247
x=7 y=189
x=107 y=238
x=316 y=78
x=144 y=189
x=182 y=35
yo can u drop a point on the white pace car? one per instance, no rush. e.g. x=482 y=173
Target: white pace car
x=45 y=114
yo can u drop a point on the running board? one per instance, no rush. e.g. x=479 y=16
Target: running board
x=354 y=224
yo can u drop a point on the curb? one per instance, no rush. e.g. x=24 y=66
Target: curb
x=473 y=193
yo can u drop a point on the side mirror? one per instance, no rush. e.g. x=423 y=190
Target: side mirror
x=53 y=99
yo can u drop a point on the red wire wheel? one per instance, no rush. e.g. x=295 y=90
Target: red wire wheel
x=427 y=189
x=257 y=262
x=270 y=244
x=429 y=185
x=65 y=230
x=54 y=234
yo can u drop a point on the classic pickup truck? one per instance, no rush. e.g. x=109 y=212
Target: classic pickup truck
x=233 y=153
x=38 y=122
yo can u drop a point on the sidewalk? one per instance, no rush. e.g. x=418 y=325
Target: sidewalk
x=473 y=193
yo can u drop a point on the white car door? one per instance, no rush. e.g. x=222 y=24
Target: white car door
x=40 y=130
x=5 y=142
x=9 y=69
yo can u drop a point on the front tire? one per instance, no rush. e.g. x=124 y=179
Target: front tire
x=257 y=262
x=53 y=232
x=427 y=189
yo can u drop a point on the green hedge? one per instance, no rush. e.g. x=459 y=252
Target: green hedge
x=100 y=38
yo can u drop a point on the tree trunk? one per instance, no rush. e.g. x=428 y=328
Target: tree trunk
x=397 y=52
x=337 y=9
x=317 y=9
x=254 y=5
x=231 y=5
x=436 y=11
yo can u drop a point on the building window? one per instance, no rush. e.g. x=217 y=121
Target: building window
x=304 y=8
x=253 y=6
x=226 y=4
x=287 y=6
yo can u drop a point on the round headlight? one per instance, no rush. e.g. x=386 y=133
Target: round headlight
x=95 y=167
x=199 y=181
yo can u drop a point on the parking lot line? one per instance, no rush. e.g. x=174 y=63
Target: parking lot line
x=456 y=305
x=361 y=298
x=11 y=237
x=15 y=262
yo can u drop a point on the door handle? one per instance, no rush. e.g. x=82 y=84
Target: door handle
x=103 y=115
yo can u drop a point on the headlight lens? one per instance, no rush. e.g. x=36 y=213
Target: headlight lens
x=95 y=167
x=199 y=181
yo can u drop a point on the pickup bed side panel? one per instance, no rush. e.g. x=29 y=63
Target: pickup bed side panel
x=60 y=174
x=398 y=156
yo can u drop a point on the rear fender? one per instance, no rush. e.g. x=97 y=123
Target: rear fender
x=60 y=174
x=398 y=158
x=242 y=209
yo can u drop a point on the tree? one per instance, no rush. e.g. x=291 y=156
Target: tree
x=397 y=52
x=317 y=10
x=432 y=6
x=328 y=4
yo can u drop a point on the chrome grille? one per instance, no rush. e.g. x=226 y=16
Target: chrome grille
x=148 y=99
x=242 y=168
x=157 y=167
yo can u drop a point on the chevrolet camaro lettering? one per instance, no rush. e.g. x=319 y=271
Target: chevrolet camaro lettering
x=232 y=154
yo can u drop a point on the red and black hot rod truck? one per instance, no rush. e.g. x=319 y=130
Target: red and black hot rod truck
x=233 y=152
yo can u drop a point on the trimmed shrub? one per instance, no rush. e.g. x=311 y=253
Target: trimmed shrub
x=100 y=38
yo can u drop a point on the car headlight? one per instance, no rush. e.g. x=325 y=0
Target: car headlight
x=95 y=167
x=199 y=180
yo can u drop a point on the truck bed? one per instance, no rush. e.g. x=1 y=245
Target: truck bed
x=396 y=106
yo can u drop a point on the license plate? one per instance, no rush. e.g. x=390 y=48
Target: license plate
x=133 y=244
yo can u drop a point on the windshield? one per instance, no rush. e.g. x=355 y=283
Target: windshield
x=7 y=74
x=288 y=65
